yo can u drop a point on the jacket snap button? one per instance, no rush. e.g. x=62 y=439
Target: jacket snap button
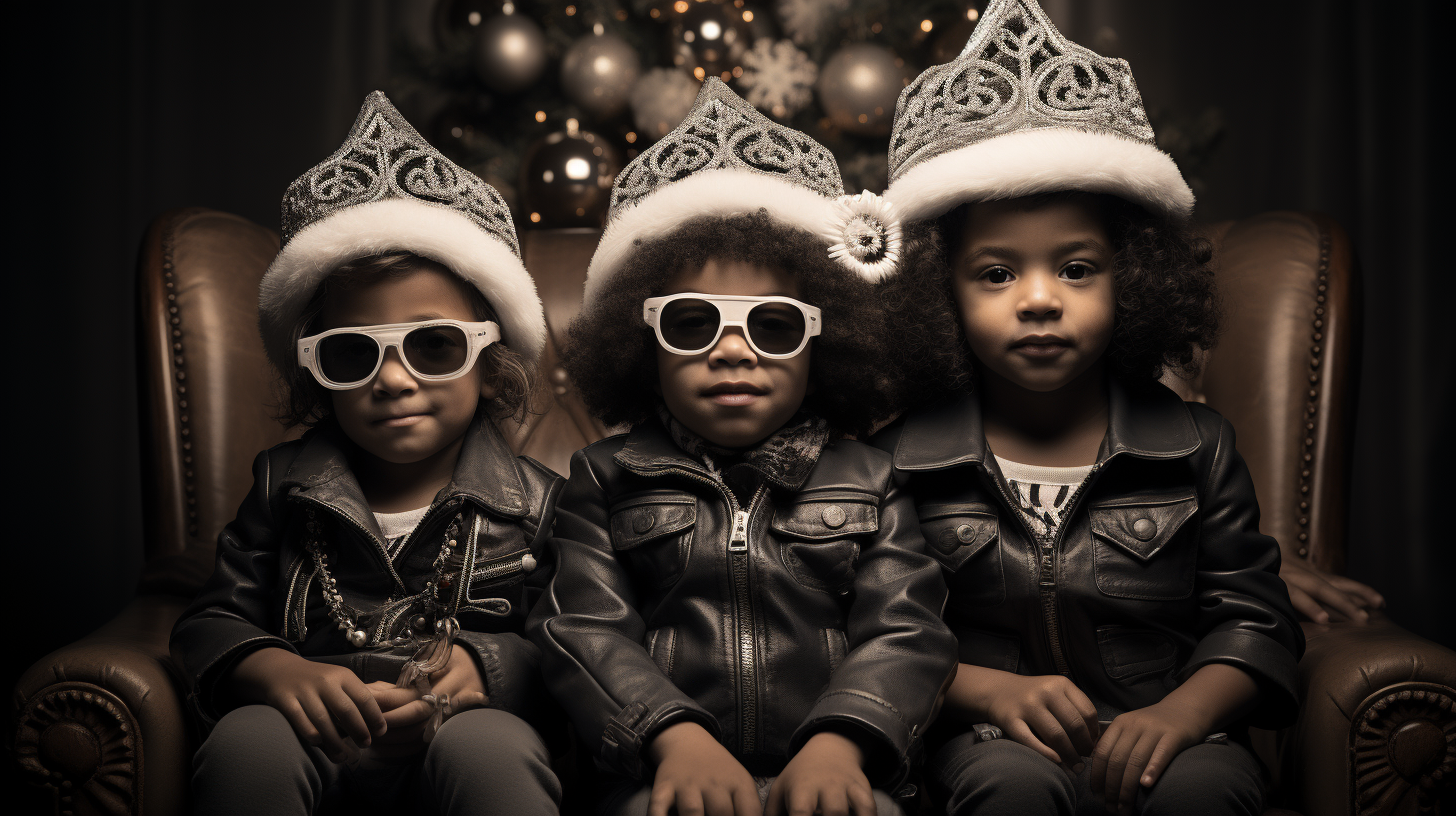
x=1144 y=529
x=643 y=522
x=834 y=516
x=965 y=533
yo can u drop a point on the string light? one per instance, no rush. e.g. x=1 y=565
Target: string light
x=681 y=7
x=748 y=16
x=631 y=137
x=699 y=73
x=535 y=218
x=972 y=15
x=540 y=116
x=926 y=25
x=571 y=11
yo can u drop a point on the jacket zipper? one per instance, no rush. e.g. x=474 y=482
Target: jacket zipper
x=504 y=566
x=1046 y=567
x=742 y=606
x=293 y=628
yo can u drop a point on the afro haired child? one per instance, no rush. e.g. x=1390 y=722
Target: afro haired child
x=744 y=615
x=1121 y=620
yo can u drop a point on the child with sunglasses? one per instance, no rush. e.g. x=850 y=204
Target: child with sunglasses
x=743 y=614
x=359 y=647
x=1121 y=620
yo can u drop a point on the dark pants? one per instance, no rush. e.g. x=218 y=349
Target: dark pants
x=1005 y=777
x=632 y=798
x=482 y=761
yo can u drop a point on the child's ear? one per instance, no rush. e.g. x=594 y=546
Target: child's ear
x=488 y=389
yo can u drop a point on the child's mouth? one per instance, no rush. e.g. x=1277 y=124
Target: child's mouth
x=400 y=421
x=734 y=393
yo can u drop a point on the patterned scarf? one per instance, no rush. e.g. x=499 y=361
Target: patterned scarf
x=784 y=459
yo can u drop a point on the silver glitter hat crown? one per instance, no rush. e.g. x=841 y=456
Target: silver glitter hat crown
x=388 y=190
x=726 y=157
x=1074 y=115
x=723 y=131
x=385 y=157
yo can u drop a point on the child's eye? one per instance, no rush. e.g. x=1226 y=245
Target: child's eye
x=997 y=275
x=1077 y=271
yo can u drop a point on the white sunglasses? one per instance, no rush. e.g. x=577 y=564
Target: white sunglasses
x=431 y=350
x=692 y=322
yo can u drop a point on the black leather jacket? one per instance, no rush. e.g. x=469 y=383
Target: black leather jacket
x=810 y=606
x=264 y=591
x=1159 y=569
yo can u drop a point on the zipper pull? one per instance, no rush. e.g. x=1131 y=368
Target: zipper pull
x=738 y=540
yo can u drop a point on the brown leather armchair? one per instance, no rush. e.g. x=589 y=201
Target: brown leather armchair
x=100 y=722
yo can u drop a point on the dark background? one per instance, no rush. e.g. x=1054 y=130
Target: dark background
x=129 y=108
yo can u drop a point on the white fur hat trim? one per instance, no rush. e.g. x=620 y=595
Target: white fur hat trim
x=723 y=191
x=399 y=224
x=1041 y=161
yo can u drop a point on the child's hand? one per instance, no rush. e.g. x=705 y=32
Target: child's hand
x=407 y=713
x=697 y=776
x=824 y=777
x=1138 y=746
x=1316 y=593
x=1047 y=714
x=324 y=704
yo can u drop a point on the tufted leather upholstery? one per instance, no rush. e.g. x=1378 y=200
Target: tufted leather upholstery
x=101 y=723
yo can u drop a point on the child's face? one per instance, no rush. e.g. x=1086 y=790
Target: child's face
x=1035 y=291
x=394 y=416
x=729 y=395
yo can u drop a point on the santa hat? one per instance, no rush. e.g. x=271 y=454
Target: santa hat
x=388 y=190
x=1021 y=111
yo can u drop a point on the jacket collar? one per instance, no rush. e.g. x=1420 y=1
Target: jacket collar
x=785 y=459
x=485 y=473
x=1149 y=422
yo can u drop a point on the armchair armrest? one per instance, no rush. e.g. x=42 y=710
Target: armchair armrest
x=81 y=713
x=1377 y=731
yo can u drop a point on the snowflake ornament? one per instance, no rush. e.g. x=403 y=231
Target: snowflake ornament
x=660 y=100
x=805 y=19
x=864 y=235
x=778 y=78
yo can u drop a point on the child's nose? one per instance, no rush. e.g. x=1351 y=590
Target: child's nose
x=1038 y=298
x=393 y=378
x=732 y=349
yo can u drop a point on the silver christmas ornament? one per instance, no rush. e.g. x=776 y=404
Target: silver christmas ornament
x=858 y=87
x=597 y=73
x=510 y=53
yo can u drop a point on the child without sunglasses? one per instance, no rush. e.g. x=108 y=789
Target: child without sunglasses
x=744 y=615
x=372 y=590
x=1121 y=619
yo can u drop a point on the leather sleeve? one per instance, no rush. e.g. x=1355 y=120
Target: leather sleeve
x=238 y=609
x=591 y=636
x=1244 y=617
x=901 y=654
x=510 y=665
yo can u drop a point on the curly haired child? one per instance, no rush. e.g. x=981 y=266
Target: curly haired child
x=358 y=647
x=744 y=615
x=1121 y=621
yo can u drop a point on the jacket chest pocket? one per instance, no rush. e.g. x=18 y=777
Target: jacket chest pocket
x=1138 y=549
x=653 y=533
x=819 y=538
x=964 y=538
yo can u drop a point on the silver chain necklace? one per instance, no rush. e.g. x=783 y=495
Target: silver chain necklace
x=428 y=597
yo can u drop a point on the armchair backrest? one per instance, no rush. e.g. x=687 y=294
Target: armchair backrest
x=1283 y=373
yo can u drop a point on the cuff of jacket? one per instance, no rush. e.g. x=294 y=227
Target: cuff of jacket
x=635 y=725
x=1271 y=665
x=510 y=667
x=895 y=744
x=207 y=699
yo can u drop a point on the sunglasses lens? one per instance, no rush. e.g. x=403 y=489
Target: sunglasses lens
x=689 y=324
x=348 y=357
x=776 y=328
x=436 y=350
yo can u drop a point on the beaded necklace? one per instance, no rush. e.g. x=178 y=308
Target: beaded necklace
x=428 y=597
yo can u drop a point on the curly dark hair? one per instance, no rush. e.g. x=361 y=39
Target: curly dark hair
x=1166 y=303
x=303 y=402
x=611 y=354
